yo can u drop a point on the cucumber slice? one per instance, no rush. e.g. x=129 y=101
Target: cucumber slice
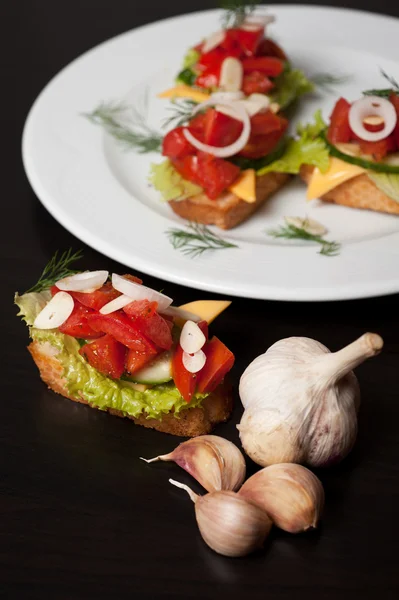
x=157 y=371
x=379 y=167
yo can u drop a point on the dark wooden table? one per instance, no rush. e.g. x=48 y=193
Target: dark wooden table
x=81 y=516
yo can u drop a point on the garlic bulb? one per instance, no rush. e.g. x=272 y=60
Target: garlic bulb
x=228 y=523
x=216 y=463
x=290 y=494
x=301 y=401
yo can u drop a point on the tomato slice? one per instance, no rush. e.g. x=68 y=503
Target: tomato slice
x=141 y=308
x=339 y=130
x=394 y=98
x=266 y=122
x=77 y=325
x=261 y=145
x=175 y=145
x=123 y=329
x=215 y=174
x=210 y=77
x=249 y=40
x=188 y=168
x=136 y=360
x=184 y=380
x=107 y=355
x=219 y=361
x=268 y=65
x=269 y=48
x=379 y=149
x=256 y=83
x=220 y=129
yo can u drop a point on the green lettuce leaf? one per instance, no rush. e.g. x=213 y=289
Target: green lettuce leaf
x=170 y=183
x=84 y=381
x=387 y=183
x=191 y=58
x=308 y=149
x=289 y=86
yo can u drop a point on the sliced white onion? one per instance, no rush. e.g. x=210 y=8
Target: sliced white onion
x=256 y=103
x=255 y=22
x=56 y=311
x=231 y=75
x=85 y=282
x=194 y=362
x=309 y=225
x=229 y=96
x=371 y=106
x=213 y=41
x=175 y=311
x=136 y=291
x=191 y=337
x=235 y=147
x=115 y=304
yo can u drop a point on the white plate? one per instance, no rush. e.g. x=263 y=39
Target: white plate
x=101 y=194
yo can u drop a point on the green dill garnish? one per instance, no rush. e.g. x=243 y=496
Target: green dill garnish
x=182 y=112
x=291 y=232
x=385 y=92
x=327 y=81
x=131 y=131
x=196 y=240
x=56 y=268
x=236 y=11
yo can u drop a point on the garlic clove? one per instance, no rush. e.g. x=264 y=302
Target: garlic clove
x=290 y=494
x=194 y=362
x=191 y=338
x=115 y=304
x=56 y=311
x=216 y=463
x=85 y=282
x=231 y=75
x=229 y=524
x=309 y=225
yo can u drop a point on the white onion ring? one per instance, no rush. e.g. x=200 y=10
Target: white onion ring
x=137 y=291
x=116 y=304
x=194 y=362
x=372 y=106
x=213 y=41
x=56 y=311
x=231 y=149
x=85 y=282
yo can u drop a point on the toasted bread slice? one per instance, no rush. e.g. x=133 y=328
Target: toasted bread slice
x=229 y=210
x=215 y=409
x=358 y=192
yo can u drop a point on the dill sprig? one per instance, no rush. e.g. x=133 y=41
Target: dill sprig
x=196 y=240
x=56 y=268
x=385 y=92
x=182 y=112
x=236 y=11
x=131 y=131
x=291 y=232
x=327 y=81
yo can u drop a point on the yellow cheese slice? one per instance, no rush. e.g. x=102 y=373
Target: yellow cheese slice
x=245 y=186
x=338 y=172
x=184 y=91
x=207 y=310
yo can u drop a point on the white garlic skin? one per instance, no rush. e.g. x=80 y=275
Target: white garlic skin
x=216 y=463
x=301 y=401
x=230 y=525
x=290 y=494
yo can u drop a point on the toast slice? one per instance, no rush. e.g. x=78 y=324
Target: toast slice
x=358 y=192
x=228 y=210
x=216 y=408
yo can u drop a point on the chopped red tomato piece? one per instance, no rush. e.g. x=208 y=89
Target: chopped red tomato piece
x=256 y=83
x=203 y=325
x=141 y=308
x=76 y=324
x=262 y=145
x=123 y=329
x=215 y=174
x=379 y=149
x=136 y=360
x=266 y=122
x=219 y=361
x=269 y=48
x=98 y=298
x=211 y=59
x=249 y=40
x=231 y=42
x=154 y=327
x=107 y=355
x=175 y=145
x=394 y=98
x=188 y=168
x=268 y=65
x=339 y=130
x=184 y=380
x=220 y=129
x=209 y=78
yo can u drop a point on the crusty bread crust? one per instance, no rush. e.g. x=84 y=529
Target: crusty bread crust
x=228 y=211
x=359 y=192
x=215 y=409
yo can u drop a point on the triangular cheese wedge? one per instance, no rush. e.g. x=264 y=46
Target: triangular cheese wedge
x=245 y=186
x=207 y=310
x=184 y=91
x=338 y=172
